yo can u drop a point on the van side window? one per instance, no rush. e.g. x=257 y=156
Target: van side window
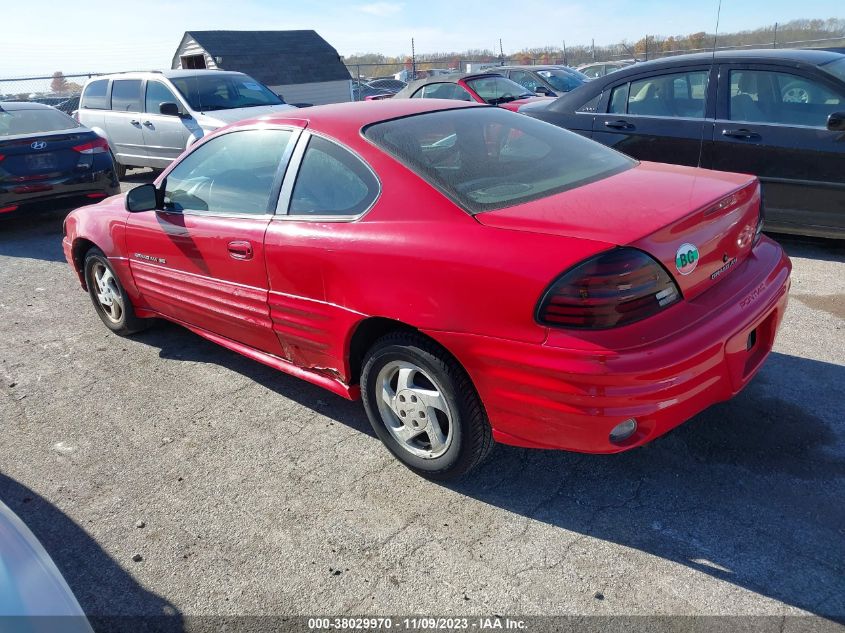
x=126 y=95
x=94 y=97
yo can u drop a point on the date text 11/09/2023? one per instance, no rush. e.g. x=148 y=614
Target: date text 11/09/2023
x=419 y=623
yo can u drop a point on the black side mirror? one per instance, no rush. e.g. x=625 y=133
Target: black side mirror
x=836 y=122
x=543 y=91
x=169 y=108
x=142 y=198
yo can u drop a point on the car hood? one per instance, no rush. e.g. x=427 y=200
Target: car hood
x=219 y=118
x=536 y=104
x=516 y=104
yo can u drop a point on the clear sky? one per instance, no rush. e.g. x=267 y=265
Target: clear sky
x=42 y=36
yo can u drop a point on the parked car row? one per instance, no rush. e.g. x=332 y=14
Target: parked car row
x=777 y=114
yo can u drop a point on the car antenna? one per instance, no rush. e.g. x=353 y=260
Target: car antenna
x=712 y=66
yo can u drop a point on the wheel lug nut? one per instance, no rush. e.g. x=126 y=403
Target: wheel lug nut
x=422 y=414
x=401 y=398
x=413 y=398
x=402 y=413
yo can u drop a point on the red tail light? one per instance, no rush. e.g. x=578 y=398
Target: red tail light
x=613 y=289
x=8 y=209
x=1 y=158
x=98 y=146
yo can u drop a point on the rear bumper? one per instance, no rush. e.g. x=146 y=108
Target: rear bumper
x=68 y=190
x=550 y=396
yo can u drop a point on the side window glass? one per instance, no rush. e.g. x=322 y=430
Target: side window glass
x=524 y=79
x=158 y=93
x=761 y=96
x=669 y=95
x=94 y=97
x=126 y=95
x=591 y=105
x=332 y=181
x=232 y=173
x=458 y=93
x=619 y=99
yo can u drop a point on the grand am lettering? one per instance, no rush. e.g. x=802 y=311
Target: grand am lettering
x=150 y=258
x=752 y=296
x=724 y=268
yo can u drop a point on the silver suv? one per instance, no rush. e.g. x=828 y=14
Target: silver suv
x=149 y=118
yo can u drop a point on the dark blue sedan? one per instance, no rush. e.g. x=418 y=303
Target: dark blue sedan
x=48 y=160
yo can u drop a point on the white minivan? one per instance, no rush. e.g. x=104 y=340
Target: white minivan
x=149 y=118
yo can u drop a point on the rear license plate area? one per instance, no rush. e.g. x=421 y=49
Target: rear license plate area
x=41 y=162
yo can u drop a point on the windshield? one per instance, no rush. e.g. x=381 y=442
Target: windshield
x=495 y=89
x=576 y=73
x=836 y=68
x=34 y=121
x=212 y=91
x=560 y=80
x=489 y=158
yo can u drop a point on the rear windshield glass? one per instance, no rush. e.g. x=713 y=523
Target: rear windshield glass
x=836 y=68
x=489 y=158
x=34 y=121
x=205 y=93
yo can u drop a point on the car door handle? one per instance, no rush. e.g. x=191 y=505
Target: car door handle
x=134 y=122
x=148 y=123
x=239 y=249
x=619 y=125
x=741 y=133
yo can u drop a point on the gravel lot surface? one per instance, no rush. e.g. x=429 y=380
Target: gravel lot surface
x=245 y=491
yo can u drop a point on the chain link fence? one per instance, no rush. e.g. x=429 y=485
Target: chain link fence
x=62 y=91
x=58 y=90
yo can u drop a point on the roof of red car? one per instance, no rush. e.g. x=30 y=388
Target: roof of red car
x=356 y=115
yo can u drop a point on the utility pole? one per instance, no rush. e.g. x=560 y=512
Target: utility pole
x=564 y=53
x=413 y=61
x=593 y=48
x=646 y=48
x=775 y=42
x=501 y=53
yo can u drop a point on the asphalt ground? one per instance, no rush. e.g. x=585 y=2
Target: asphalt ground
x=260 y=494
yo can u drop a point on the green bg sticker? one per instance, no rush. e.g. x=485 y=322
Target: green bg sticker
x=686 y=259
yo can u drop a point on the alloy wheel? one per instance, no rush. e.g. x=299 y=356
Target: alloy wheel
x=414 y=409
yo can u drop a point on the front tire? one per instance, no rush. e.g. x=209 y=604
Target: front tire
x=423 y=407
x=110 y=300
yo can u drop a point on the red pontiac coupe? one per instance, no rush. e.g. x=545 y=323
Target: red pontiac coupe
x=486 y=87
x=472 y=274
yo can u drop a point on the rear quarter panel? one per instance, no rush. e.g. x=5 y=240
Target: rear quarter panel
x=415 y=258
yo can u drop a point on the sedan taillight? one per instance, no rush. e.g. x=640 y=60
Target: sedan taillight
x=98 y=146
x=612 y=289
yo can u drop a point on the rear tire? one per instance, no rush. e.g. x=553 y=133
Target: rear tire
x=423 y=407
x=110 y=300
x=119 y=169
